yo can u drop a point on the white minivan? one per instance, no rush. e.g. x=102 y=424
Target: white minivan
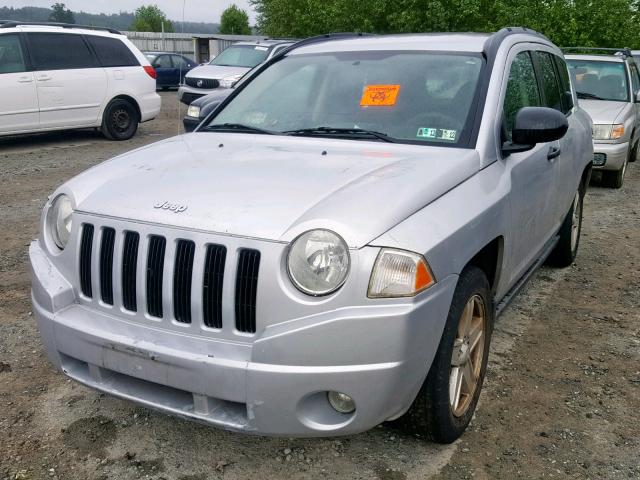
x=55 y=77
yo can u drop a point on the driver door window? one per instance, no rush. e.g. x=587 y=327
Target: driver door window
x=522 y=90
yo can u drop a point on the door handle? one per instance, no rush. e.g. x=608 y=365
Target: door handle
x=554 y=152
x=43 y=78
x=25 y=80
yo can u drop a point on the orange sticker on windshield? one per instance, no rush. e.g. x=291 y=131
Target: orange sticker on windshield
x=379 y=95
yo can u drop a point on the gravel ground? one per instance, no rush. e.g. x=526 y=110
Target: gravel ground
x=561 y=399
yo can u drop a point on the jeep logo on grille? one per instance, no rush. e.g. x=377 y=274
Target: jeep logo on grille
x=174 y=207
x=199 y=83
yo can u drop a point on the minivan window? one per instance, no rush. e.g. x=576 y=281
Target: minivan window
x=112 y=52
x=11 y=57
x=600 y=80
x=550 y=85
x=565 y=84
x=247 y=56
x=522 y=90
x=415 y=97
x=59 y=51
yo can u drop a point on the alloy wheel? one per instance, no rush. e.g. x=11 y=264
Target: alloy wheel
x=468 y=355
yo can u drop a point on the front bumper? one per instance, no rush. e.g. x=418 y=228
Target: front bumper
x=615 y=155
x=245 y=386
x=190 y=123
x=187 y=94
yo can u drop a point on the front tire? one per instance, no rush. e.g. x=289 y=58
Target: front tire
x=448 y=398
x=566 y=250
x=120 y=120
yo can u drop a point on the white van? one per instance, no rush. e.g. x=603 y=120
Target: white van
x=58 y=76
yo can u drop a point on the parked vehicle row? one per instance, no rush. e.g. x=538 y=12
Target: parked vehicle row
x=55 y=77
x=329 y=249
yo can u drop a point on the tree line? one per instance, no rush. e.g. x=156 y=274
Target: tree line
x=119 y=21
x=602 y=23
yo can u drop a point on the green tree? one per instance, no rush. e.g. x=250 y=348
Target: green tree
x=605 y=23
x=61 y=14
x=150 y=18
x=234 y=21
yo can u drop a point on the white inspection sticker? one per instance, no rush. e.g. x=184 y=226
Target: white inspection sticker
x=261 y=48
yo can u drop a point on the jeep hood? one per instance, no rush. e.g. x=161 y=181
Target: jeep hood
x=273 y=187
x=216 y=72
x=604 y=111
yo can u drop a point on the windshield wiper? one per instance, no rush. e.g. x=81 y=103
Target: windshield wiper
x=341 y=132
x=236 y=127
x=587 y=95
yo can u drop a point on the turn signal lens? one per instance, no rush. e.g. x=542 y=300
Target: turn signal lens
x=617 y=132
x=398 y=273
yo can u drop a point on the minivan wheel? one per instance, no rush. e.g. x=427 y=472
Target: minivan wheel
x=566 y=249
x=448 y=398
x=120 y=120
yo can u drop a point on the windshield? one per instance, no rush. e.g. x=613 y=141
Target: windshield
x=406 y=96
x=241 y=56
x=597 y=80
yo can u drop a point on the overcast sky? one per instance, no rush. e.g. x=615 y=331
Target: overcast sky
x=197 y=10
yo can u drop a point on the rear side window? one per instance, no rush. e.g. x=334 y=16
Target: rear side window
x=112 y=52
x=522 y=90
x=565 y=84
x=549 y=81
x=59 y=51
x=11 y=57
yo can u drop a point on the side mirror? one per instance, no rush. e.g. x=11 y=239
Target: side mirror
x=535 y=125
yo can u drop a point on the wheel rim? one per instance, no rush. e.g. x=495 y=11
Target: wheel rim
x=575 y=221
x=468 y=356
x=120 y=120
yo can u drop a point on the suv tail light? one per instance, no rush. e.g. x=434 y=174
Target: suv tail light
x=150 y=71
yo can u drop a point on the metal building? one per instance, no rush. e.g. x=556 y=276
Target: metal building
x=199 y=46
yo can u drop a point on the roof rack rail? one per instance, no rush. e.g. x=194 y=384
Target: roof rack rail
x=16 y=23
x=321 y=38
x=626 y=51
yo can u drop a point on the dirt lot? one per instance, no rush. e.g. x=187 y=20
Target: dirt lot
x=561 y=400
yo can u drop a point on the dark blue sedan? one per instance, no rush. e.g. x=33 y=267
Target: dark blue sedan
x=170 y=68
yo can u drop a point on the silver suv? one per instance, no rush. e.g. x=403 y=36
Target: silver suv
x=608 y=86
x=226 y=69
x=330 y=248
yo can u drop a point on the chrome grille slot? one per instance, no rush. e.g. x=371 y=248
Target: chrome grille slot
x=246 y=290
x=155 y=270
x=212 y=285
x=182 y=273
x=86 y=245
x=129 y=266
x=106 y=265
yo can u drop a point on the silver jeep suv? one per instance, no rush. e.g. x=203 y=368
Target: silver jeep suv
x=330 y=248
x=607 y=83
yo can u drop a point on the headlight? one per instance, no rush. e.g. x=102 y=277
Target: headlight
x=229 y=82
x=59 y=220
x=608 y=132
x=318 y=262
x=398 y=273
x=193 y=111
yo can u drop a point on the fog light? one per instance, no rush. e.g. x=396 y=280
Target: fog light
x=341 y=402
